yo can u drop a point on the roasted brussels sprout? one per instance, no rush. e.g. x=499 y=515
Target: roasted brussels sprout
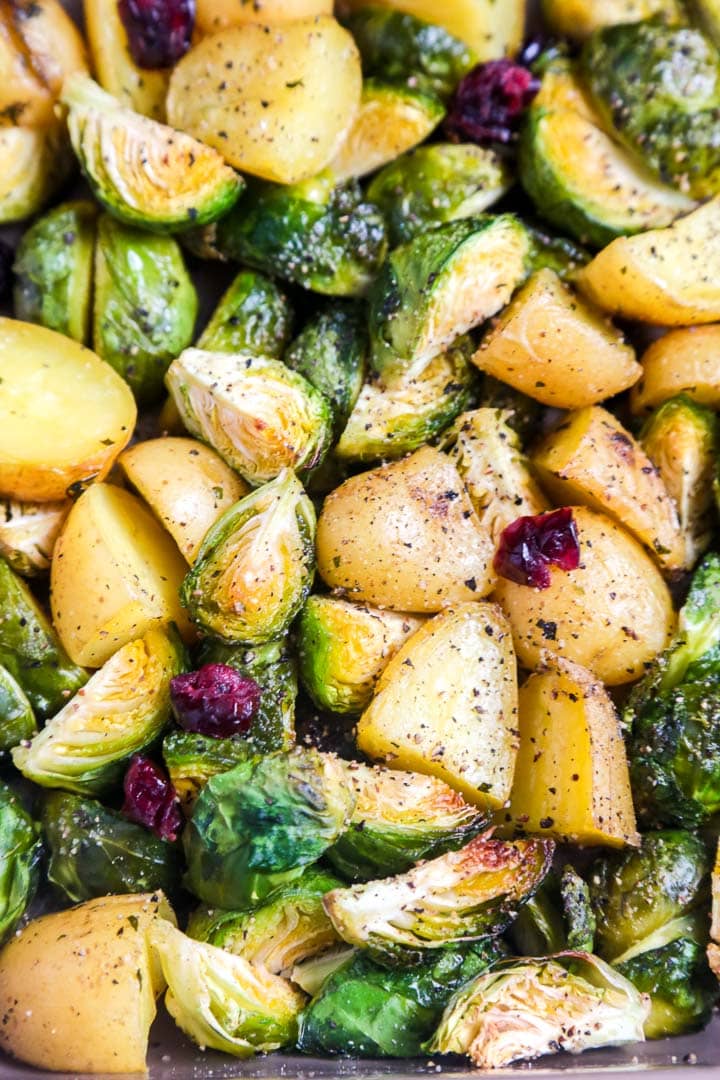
x=312 y=973
x=258 y=414
x=255 y=566
x=252 y=317
x=145 y=173
x=435 y=184
x=460 y=896
x=526 y=1008
x=95 y=851
x=31 y=650
x=521 y=413
x=399 y=819
x=681 y=987
x=257 y=826
x=121 y=710
x=20 y=853
x=313 y=233
x=35 y=162
x=53 y=270
x=366 y=1010
x=17 y=720
x=221 y=1001
x=145 y=305
x=28 y=532
x=559 y=916
x=192 y=758
x=707 y=12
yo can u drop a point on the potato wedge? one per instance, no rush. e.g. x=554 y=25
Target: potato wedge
x=275 y=102
x=212 y=15
x=571 y=775
x=426 y=716
x=51 y=38
x=612 y=615
x=405 y=537
x=78 y=988
x=591 y=460
x=140 y=89
x=492 y=28
x=115 y=575
x=35 y=161
x=66 y=414
x=556 y=348
x=24 y=98
x=683 y=361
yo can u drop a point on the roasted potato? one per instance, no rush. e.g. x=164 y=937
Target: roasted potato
x=683 y=361
x=212 y=15
x=24 y=98
x=143 y=90
x=51 y=38
x=490 y=28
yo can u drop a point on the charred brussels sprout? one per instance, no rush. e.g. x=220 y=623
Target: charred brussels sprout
x=255 y=566
x=31 y=650
x=253 y=317
x=258 y=414
x=17 y=720
x=314 y=233
x=20 y=853
x=369 y=1011
x=121 y=710
x=28 y=532
x=399 y=819
x=53 y=270
x=257 y=826
x=435 y=184
x=145 y=305
x=461 y=896
x=681 y=987
x=145 y=173
x=559 y=916
x=191 y=759
x=95 y=851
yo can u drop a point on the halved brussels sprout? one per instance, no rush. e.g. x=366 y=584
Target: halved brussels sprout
x=28 y=532
x=559 y=916
x=31 y=650
x=312 y=973
x=463 y=895
x=95 y=851
x=258 y=414
x=17 y=720
x=53 y=270
x=143 y=172
x=221 y=1001
x=526 y=1008
x=399 y=819
x=255 y=566
x=252 y=317
x=521 y=413
x=435 y=184
x=291 y=927
x=121 y=710
x=679 y=983
x=256 y=827
x=395 y=415
x=557 y=253
x=20 y=854
x=191 y=759
x=713 y=950
x=35 y=162
x=315 y=233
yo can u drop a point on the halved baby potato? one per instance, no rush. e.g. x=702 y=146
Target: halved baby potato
x=24 y=98
x=685 y=361
x=141 y=89
x=51 y=38
x=212 y=15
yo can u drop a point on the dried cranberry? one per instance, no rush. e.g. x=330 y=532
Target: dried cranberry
x=6 y=261
x=215 y=700
x=489 y=102
x=159 y=31
x=150 y=798
x=531 y=545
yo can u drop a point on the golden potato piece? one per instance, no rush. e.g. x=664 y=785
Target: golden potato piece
x=212 y=15
x=24 y=98
x=492 y=28
x=51 y=38
x=683 y=361
x=141 y=89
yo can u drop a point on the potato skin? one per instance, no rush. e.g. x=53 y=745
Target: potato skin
x=612 y=615
x=405 y=537
x=78 y=988
x=683 y=361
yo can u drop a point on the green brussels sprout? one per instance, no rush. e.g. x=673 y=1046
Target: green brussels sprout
x=559 y=916
x=396 y=415
x=20 y=854
x=315 y=233
x=675 y=129
x=17 y=719
x=673 y=714
x=432 y=185
x=95 y=851
x=28 y=532
x=681 y=987
x=221 y=1001
x=253 y=317
x=145 y=305
x=441 y=284
x=343 y=649
x=255 y=566
x=143 y=172
x=403 y=49
x=257 y=826
x=53 y=270
x=369 y=1011
x=202 y=242
x=331 y=352
x=521 y=413
x=311 y=974
x=291 y=927
x=259 y=415
x=557 y=253
x=524 y=1008
x=460 y=896
x=191 y=759
x=36 y=161
x=30 y=649
x=121 y=710
x=707 y=13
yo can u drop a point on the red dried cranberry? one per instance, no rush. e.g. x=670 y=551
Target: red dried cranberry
x=159 y=31
x=215 y=700
x=6 y=261
x=531 y=545
x=489 y=102
x=150 y=799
